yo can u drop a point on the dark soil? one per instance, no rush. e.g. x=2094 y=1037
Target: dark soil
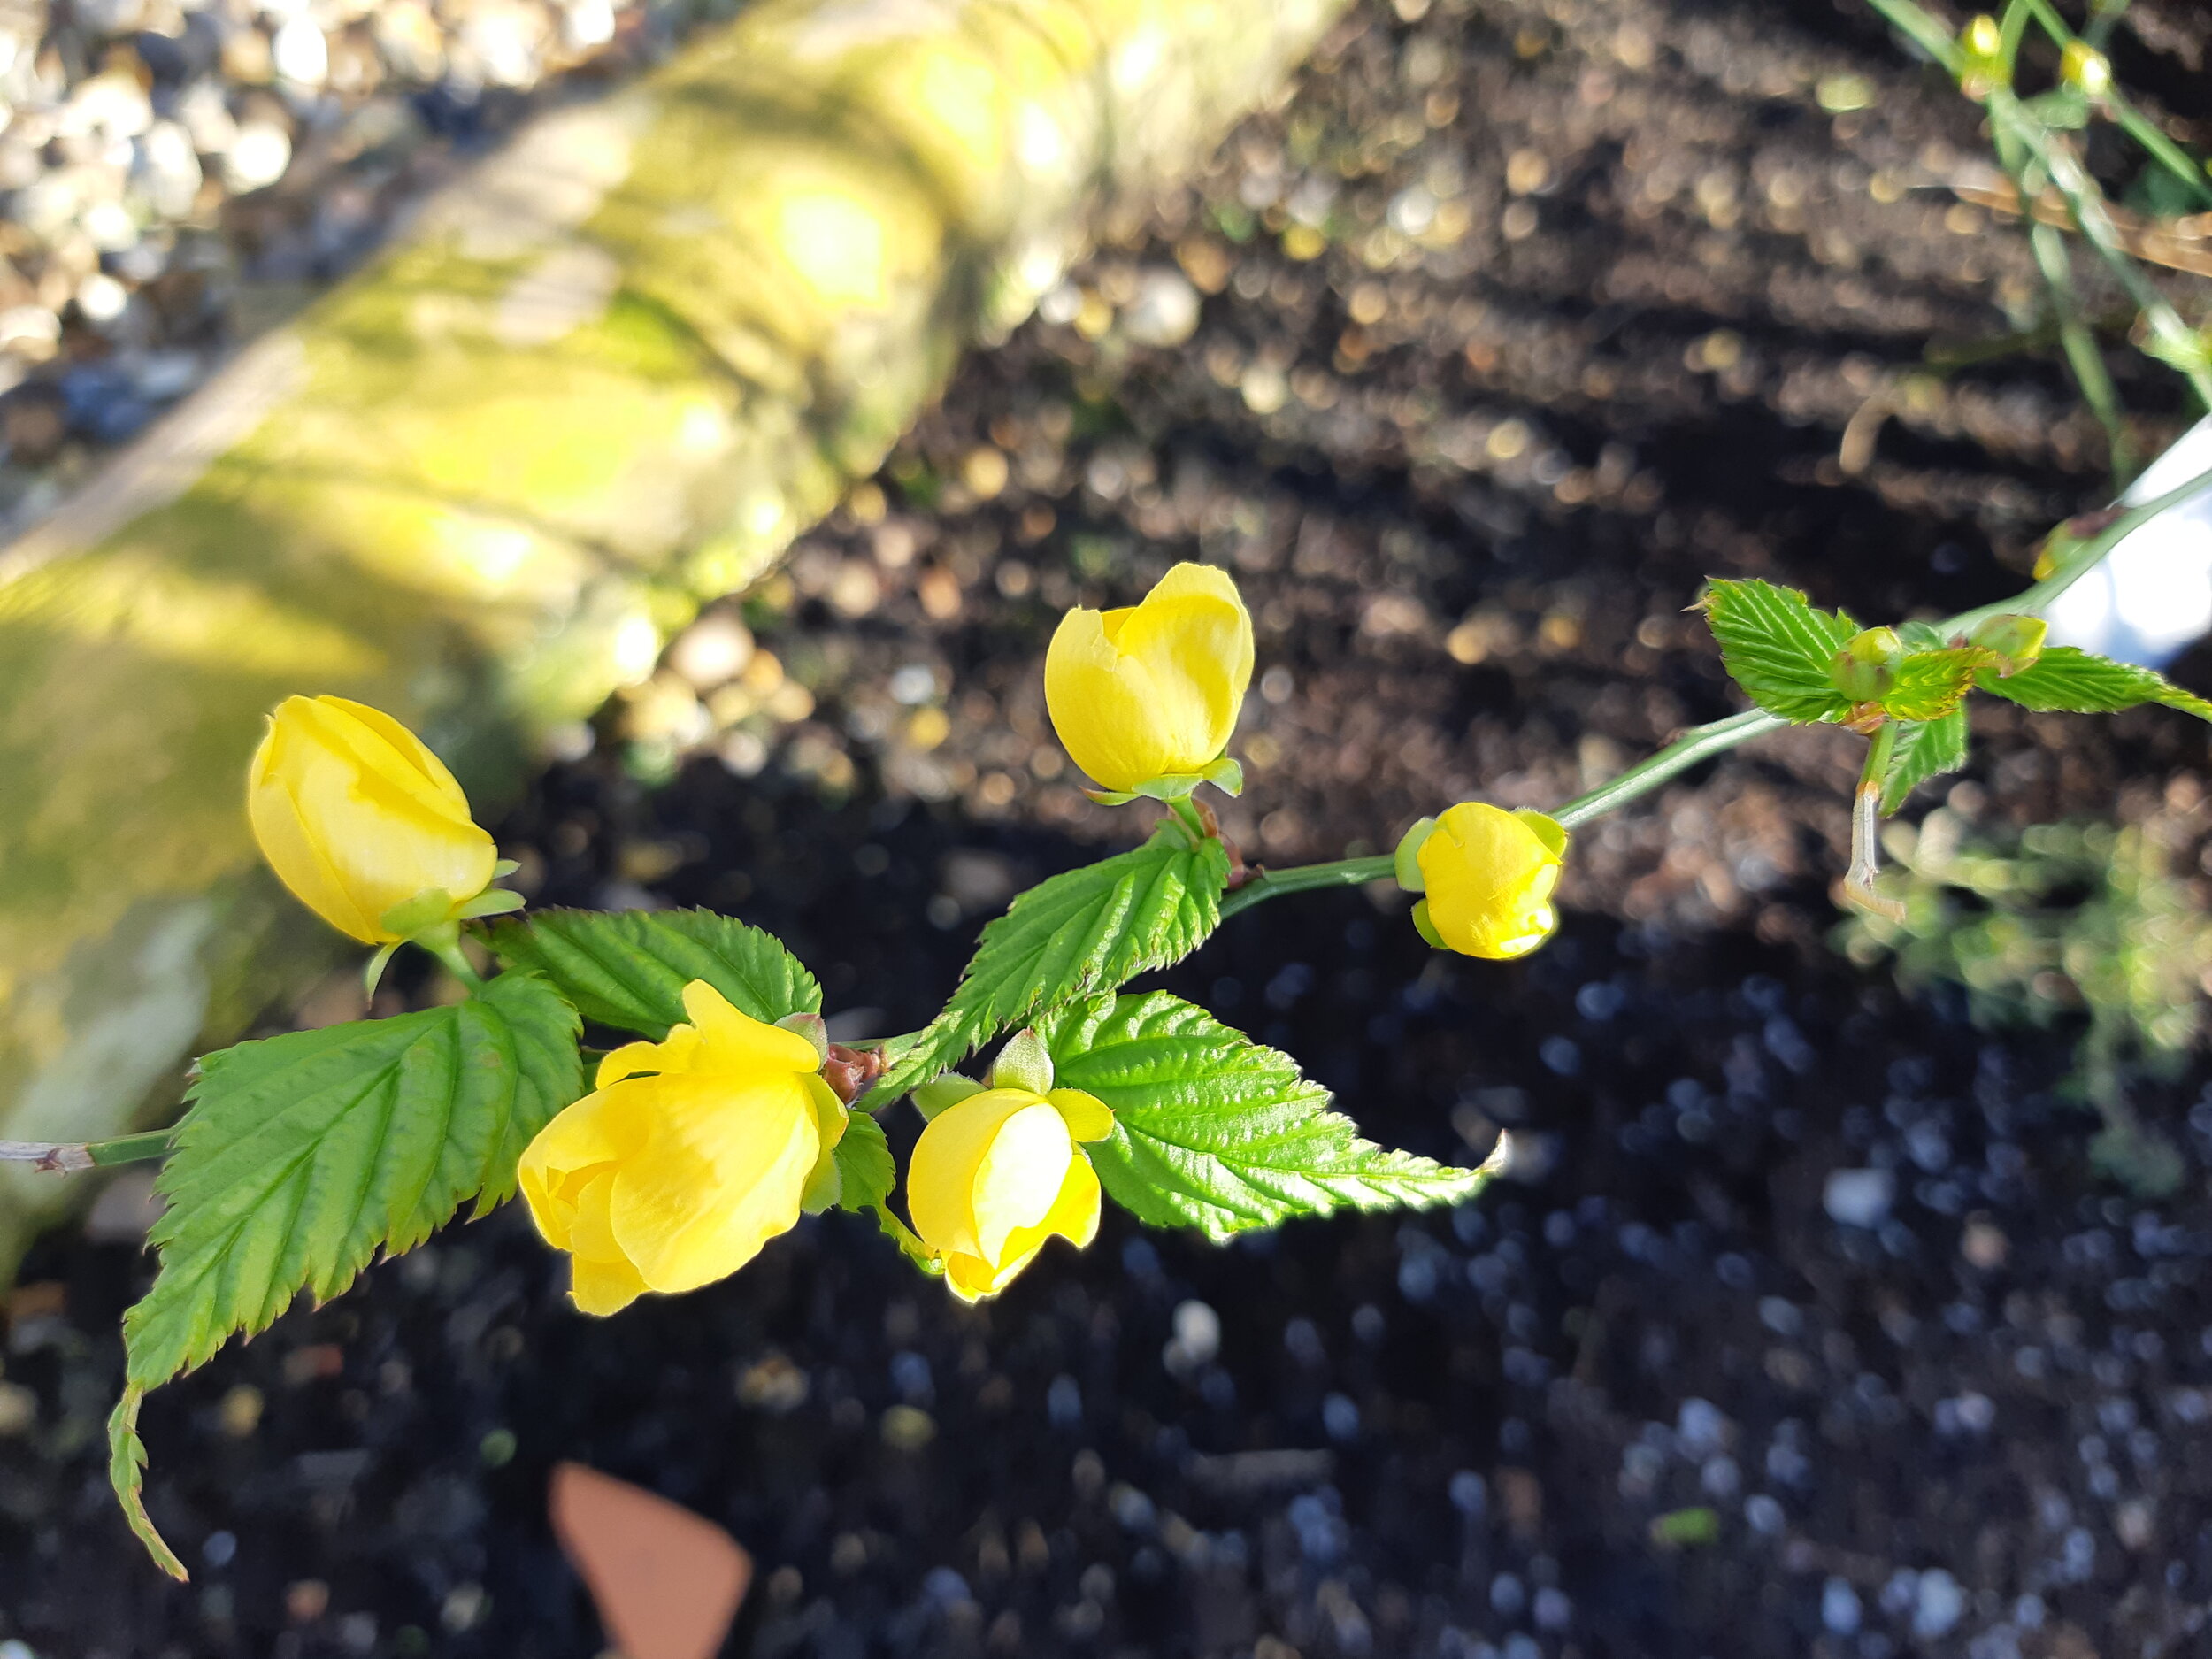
x=1645 y=1398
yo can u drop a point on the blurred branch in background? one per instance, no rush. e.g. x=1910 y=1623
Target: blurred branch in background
x=612 y=372
x=2035 y=143
x=2081 y=924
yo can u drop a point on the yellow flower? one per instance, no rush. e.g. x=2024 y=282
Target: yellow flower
x=692 y=1154
x=1144 y=698
x=995 y=1175
x=1488 y=875
x=359 y=819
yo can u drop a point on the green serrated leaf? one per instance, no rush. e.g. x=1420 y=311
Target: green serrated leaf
x=628 y=968
x=1090 y=929
x=1921 y=636
x=1779 y=647
x=1215 y=1132
x=2068 y=681
x=1930 y=683
x=863 y=1164
x=301 y=1157
x=1923 y=750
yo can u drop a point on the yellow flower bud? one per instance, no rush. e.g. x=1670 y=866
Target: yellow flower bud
x=357 y=819
x=1488 y=875
x=995 y=1175
x=2084 y=68
x=1144 y=698
x=690 y=1155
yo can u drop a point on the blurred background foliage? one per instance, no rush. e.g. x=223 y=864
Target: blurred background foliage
x=2081 y=924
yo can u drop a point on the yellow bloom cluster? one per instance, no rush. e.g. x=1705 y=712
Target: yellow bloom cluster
x=690 y=1154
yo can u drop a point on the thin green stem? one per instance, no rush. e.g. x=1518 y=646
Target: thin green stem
x=1697 y=744
x=65 y=1158
x=1866 y=820
x=1924 y=31
x=1703 y=743
x=2073 y=563
x=1187 y=815
x=2130 y=119
x=2054 y=263
x=445 y=944
x=2087 y=203
x=1344 y=872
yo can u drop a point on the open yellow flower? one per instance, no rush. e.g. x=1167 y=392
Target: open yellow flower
x=995 y=1175
x=1145 y=698
x=360 y=821
x=1488 y=875
x=690 y=1155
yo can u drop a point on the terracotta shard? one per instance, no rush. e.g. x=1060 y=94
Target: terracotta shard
x=667 y=1583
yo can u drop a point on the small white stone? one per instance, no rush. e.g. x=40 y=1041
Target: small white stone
x=1198 y=1332
x=1838 y=1607
x=101 y=298
x=1938 y=1603
x=713 y=649
x=257 y=158
x=587 y=24
x=1164 y=312
x=301 y=53
x=1859 y=1198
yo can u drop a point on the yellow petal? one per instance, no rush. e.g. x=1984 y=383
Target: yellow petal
x=940 y=1177
x=281 y=833
x=581 y=1139
x=731 y=1039
x=602 y=1287
x=1072 y=1215
x=402 y=759
x=1104 y=705
x=721 y=1171
x=1195 y=635
x=1020 y=1176
x=674 y=1053
x=602 y=1280
x=1088 y=1117
x=969 y=1278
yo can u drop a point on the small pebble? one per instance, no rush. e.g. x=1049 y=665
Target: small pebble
x=1859 y=1198
x=1937 y=1606
x=1838 y=1607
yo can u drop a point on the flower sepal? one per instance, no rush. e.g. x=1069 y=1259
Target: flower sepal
x=941 y=1092
x=1223 y=772
x=1406 y=862
x=1024 y=1063
x=824 y=1182
x=813 y=1027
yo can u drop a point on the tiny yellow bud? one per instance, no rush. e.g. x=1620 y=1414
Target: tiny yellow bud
x=1149 y=695
x=1983 y=70
x=359 y=819
x=995 y=1175
x=2016 y=641
x=690 y=1155
x=1489 y=874
x=1866 y=667
x=2083 y=66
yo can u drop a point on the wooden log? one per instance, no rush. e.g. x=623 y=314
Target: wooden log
x=610 y=374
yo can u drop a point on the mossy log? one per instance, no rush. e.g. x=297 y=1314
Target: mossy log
x=613 y=371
